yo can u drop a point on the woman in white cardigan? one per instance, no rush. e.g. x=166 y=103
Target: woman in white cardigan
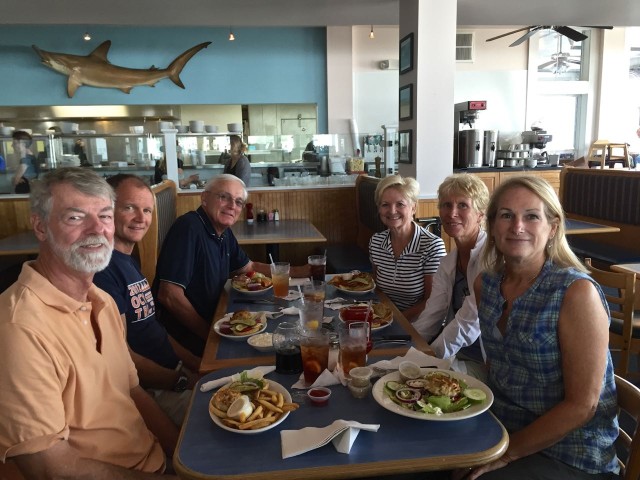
x=450 y=318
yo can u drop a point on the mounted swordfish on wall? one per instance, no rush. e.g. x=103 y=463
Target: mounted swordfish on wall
x=95 y=70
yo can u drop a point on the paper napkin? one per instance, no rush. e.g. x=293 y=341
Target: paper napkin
x=294 y=282
x=342 y=433
x=326 y=379
x=416 y=356
x=257 y=372
x=290 y=311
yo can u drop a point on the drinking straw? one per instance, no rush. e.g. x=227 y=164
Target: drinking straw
x=271 y=258
x=301 y=295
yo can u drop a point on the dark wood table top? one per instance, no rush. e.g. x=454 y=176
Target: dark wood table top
x=282 y=231
x=580 y=227
x=23 y=243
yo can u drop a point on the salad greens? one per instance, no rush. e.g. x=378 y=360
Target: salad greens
x=435 y=393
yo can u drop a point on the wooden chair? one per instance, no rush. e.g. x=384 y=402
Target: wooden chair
x=619 y=290
x=628 y=442
x=164 y=214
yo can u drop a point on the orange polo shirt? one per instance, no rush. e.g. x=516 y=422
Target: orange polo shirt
x=58 y=383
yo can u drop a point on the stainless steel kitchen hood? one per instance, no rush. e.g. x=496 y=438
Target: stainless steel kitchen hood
x=89 y=112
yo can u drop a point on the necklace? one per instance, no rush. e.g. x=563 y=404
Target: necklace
x=506 y=302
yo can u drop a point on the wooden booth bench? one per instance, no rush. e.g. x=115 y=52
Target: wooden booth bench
x=606 y=196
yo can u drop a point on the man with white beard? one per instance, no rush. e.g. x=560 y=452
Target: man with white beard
x=71 y=406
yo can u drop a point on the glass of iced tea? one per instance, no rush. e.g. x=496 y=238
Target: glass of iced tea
x=280 y=278
x=353 y=345
x=359 y=313
x=318 y=266
x=314 y=347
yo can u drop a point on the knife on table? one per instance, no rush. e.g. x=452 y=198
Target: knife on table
x=392 y=339
x=260 y=301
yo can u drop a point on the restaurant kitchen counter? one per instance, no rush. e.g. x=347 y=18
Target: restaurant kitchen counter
x=509 y=169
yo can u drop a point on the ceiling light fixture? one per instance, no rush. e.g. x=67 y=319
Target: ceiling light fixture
x=86 y=37
x=232 y=37
x=371 y=35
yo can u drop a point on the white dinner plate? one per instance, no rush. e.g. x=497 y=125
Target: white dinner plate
x=240 y=338
x=477 y=409
x=273 y=386
x=373 y=329
x=252 y=292
x=356 y=292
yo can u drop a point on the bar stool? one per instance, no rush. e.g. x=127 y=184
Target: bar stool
x=603 y=150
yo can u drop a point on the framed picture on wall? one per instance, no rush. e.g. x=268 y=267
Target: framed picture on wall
x=406 y=54
x=404 y=146
x=406 y=102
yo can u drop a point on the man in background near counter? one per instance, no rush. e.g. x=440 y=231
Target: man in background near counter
x=199 y=254
x=71 y=406
x=158 y=358
x=28 y=167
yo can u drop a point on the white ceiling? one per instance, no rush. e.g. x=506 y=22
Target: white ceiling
x=311 y=12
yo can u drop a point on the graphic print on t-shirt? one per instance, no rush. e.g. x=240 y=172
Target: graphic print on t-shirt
x=141 y=300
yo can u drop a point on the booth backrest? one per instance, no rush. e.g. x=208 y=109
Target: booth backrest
x=164 y=214
x=610 y=197
x=368 y=219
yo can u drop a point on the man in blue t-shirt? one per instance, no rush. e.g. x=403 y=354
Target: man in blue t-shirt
x=164 y=366
x=198 y=255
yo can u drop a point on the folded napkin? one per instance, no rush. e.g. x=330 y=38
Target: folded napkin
x=416 y=356
x=325 y=379
x=257 y=373
x=290 y=311
x=342 y=433
x=293 y=295
x=294 y=282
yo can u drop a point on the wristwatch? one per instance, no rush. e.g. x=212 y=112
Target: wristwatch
x=181 y=383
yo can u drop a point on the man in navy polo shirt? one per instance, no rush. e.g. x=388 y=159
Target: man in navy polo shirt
x=158 y=358
x=198 y=255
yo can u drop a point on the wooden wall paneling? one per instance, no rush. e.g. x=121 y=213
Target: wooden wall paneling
x=15 y=214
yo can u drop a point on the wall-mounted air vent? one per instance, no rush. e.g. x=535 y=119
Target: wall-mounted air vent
x=464 y=47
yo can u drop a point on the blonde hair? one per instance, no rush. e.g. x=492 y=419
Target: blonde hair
x=407 y=186
x=558 y=249
x=466 y=185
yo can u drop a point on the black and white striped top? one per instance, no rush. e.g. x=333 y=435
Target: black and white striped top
x=402 y=280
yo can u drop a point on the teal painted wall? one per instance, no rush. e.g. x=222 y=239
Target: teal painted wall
x=262 y=66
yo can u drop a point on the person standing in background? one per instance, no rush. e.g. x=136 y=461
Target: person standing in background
x=28 y=168
x=238 y=164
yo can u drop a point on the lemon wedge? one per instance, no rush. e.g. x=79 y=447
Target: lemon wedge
x=312 y=324
x=240 y=409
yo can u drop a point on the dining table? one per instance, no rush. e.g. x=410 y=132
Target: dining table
x=581 y=227
x=631 y=268
x=21 y=243
x=273 y=233
x=401 y=444
x=221 y=352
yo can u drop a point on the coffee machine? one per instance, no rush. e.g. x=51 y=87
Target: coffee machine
x=537 y=139
x=467 y=144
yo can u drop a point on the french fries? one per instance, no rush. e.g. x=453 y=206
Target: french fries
x=268 y=407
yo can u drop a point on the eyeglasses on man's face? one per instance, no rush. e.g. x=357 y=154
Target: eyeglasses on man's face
x=225 y=197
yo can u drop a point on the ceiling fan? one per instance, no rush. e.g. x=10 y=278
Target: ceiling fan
x=568 y=32
x=560 y=61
